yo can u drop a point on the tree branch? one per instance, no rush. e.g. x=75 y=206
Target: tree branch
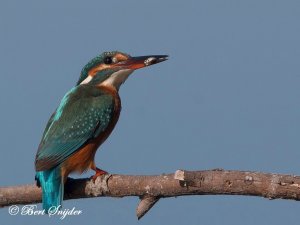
x=151 y=188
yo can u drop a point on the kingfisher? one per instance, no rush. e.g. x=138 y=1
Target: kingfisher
x=84 y=119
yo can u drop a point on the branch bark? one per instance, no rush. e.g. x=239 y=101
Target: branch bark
x=151 y=188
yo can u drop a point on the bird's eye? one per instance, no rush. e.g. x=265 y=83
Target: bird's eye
x=108 y=60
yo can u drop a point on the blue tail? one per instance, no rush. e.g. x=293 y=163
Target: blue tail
x=52 y=187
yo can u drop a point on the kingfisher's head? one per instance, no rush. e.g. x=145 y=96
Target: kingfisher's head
x=113 y=68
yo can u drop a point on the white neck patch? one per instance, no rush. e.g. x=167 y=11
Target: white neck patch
x=117 y=78
x=87 y=80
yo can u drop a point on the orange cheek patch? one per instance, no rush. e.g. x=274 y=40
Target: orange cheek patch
x=120 y=57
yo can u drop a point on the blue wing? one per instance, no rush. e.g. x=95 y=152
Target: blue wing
x=83 y=113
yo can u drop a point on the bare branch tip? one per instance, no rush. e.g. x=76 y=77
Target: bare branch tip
x=146 y=203
x=179 y=175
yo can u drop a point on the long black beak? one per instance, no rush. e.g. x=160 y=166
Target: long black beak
x=142 y=61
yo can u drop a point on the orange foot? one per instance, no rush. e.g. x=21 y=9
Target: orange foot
x=98 y=173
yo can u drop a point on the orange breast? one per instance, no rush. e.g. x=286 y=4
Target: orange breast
x=83 y=158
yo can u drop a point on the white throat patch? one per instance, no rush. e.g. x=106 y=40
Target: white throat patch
x=117 y=78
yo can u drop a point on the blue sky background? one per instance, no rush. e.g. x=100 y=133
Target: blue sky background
x=227 y=98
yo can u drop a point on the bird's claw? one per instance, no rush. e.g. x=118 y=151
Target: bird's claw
x=98 y=173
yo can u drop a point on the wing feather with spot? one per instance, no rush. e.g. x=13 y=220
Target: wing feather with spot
x=83 y=113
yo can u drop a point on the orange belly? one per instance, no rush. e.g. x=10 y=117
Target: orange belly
x=80 y=161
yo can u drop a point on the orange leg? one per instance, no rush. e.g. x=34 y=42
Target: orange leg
x=99 y=172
